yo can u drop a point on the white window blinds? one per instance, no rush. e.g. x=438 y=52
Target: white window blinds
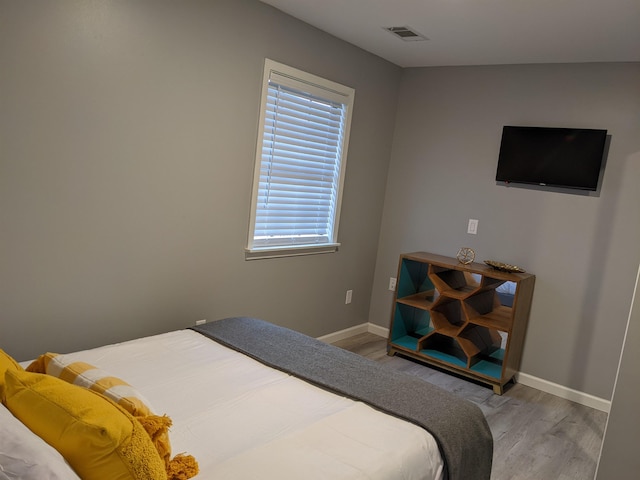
x=300 y=161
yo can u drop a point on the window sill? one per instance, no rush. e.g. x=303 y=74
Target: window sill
x=289 y=251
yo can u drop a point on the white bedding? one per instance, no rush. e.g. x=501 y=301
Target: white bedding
x=243 y=420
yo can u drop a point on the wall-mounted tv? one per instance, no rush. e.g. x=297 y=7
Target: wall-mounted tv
x=558 y=157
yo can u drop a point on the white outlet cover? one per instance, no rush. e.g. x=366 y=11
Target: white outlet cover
x=472 y=228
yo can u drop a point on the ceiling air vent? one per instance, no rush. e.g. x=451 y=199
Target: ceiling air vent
x=406 y=34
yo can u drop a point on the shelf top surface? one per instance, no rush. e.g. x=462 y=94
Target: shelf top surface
x=451 y=262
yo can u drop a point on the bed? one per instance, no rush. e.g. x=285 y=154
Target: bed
x=248 y=399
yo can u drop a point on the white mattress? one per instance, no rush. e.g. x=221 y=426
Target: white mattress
x=243 y=420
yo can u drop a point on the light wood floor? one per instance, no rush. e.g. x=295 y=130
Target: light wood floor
x=537 y=436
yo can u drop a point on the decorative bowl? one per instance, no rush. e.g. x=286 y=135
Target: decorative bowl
x=504 y=267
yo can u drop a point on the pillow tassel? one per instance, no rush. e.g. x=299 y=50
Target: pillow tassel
x=158 y=429
x=155 y=425
x=182 y=467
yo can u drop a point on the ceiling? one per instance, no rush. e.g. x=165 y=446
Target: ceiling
x=481 y=32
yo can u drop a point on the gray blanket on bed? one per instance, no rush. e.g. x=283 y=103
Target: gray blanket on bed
x=458 y=426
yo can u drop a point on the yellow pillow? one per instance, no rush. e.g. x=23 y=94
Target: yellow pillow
x=6 y=363
x=85 y=375
x=99 y=439
x=93 y=378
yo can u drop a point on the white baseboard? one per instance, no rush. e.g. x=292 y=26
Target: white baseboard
x=523 y=378
x=351 y=331
x=564 y=392
x=378 y=330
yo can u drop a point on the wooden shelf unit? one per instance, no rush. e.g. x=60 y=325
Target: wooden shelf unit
x=451 y=316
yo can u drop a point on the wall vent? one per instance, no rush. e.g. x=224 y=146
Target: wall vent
x=406 y=34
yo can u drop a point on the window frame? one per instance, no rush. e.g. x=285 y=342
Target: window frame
x=319 y=87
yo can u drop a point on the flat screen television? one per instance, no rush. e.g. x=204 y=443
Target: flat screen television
x=558 y=157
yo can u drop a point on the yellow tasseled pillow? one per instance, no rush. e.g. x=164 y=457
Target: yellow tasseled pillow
x=82 y=374
x=99 y=439
x=6 y=363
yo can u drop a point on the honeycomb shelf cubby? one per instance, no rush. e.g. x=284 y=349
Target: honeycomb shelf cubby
x=468 y=319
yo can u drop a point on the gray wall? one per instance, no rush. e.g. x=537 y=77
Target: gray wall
x=582 y=249
x=127 y=143
x=619 y=457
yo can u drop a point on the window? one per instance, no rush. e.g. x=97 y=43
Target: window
x=300 y=163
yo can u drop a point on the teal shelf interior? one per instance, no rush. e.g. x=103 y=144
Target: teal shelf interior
x=410 y=322
x=491 y=366
x=413 y=278
x=444 y=357
x=410 y=343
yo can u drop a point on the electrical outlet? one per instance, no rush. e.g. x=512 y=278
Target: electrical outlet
x=347 y=299
x=201 y=322
x=472 y=228
x=392 y=284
